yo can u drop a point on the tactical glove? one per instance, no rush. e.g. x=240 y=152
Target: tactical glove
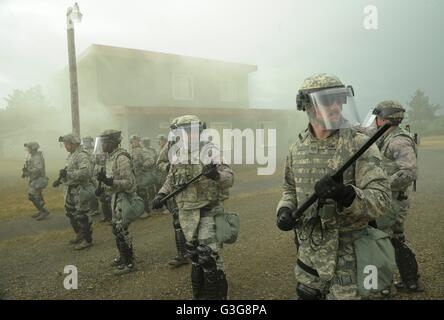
x=99 y=191
x=285 y=222
x=101 y=176
x=328 y=188
x=157 y=204
x=63 y=173
x=210 y=171
x=56 y=184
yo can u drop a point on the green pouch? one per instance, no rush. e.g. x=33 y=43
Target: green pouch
x=40 y=183
x=227 y=227
x=389 y=219
x=86 y=193
x=374 y=255
x=132 y=207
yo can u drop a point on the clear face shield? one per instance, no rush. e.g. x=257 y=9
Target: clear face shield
x=98 y=145
x=334 y=108
x=369 y=120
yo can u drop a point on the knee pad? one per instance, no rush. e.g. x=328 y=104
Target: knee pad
x=307 y=293
x=176 y=223
x=206 y=257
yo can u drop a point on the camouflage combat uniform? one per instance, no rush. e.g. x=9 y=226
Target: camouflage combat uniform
x=326 y=265
x=149 y=167
x=143 y=176
x=399 y=155
x=119 y=167
x=163 y=166
x=38 y=181
x=88 y=146
x=198 y=205
x=308 y=160
x=79 y=190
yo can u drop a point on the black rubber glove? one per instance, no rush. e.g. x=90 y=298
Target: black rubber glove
x=99 y=191
x=63 y=173
x=210 y=171
x=284 y=220
x=101 y=176
x=327 y=188
x=56 y=184
x=157 y=204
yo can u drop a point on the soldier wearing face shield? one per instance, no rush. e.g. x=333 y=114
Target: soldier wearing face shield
x=79 y=190
x=34 y=170
x=88 y=146
x=327 y=265
x=399 y=159
x=198 y=204
x=120 y=181
x=163 y=167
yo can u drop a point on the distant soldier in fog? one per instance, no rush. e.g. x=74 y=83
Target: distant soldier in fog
x=34 y=170
x=149 y=168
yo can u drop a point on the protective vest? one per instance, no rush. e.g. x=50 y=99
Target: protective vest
x=33 y=162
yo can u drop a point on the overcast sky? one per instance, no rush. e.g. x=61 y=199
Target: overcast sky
x=287 y=39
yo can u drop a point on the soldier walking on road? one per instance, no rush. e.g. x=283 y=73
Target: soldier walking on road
x=34 y=170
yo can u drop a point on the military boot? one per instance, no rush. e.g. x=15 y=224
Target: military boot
x=42 y=215
x=182 y=256
x=83 y=245
x=128 y=264
x=77 y=239
x=35 y=215
x=178 y=261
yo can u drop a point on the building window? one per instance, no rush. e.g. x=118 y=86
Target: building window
x=228 y=90
x=183 y=87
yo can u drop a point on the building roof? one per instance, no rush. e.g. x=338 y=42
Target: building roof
x=105 y=50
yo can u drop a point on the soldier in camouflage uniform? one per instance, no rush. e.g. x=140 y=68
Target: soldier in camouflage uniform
x=198 y=205
x=79 y=190
x=399 y=159
x=34 y=170
x=140 y=169
x=149 y=167
x=161 y=173
x=326 y=265
x=163 y=167
x=118 y=180
x=88 y=146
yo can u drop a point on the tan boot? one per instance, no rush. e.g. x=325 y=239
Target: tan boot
x=77 y=239
x=42 y=216
x=83 y=245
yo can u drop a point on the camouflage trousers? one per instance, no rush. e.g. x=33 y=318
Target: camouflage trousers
x=343 y=285
x=35 y=195
x=124 y=240
x=198 y=226
x=77 y=200
x=400 y=208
